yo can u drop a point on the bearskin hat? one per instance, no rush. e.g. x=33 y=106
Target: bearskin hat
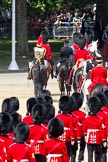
x=21 y=132
x=81 y=42
x=94 y=104
x=8 y=105
x=38 y=113
x=45 y=35
x=78 y=97
x=40 y=41
x=66 y=104
x=41 y=100
x=49 y=99
x=30 y=103
x=50 y=112
x=55 y=127
x=16 y=117
x=45 y=92
x=16 y=102
x=102 y=98
x=106 y=94
x=6 y=123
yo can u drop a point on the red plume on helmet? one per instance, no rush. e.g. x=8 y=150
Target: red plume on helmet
x=40 y=41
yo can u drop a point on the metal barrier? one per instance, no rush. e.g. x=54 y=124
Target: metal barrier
x=65 y=29
x=5 y=30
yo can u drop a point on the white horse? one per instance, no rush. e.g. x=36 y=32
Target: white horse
x=93 y=49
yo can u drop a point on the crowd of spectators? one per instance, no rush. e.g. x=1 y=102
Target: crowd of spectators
x=80 y=20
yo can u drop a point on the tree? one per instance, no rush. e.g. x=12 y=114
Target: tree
x=21 y=23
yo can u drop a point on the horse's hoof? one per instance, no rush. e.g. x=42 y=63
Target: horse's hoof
x=29 y=78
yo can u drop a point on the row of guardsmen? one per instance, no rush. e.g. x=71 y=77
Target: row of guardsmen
x=43 y=135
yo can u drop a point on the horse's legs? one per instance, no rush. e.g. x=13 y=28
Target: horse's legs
x=37 y=89
x=68 y=89
x=61 y=86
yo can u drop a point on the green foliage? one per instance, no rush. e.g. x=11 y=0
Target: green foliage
x=5 y=3
x=6 y=48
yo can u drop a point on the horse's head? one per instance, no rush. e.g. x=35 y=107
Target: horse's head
x=93 y=48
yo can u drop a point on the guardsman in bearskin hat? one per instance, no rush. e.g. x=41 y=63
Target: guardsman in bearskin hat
x=50 y=113
x=94 y=130
x=80 y=115
x=45 y=92
x=103 y=116
x=20 y=150
x=54 y=148
x=6 y=123
x=8 y=105
x=38 y=133
x=66 y=105
x=49 y=99
x=105 y=108
x=98 y=75
x=16 y=120
x=29 y=105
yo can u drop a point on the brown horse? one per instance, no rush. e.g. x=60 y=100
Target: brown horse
x=40 y=74
x=39 y=77
x=62 y=79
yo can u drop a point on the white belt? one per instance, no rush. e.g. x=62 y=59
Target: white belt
x=39 y=141
x=93 y=130
x=23 y=160
x=66 y=128
x=54 y=155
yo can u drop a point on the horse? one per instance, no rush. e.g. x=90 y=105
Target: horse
x=40 y=73
x=39 y=77
x=93 y=49
x=62 y=79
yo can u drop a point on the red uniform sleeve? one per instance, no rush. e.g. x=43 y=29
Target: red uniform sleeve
x=75 y=57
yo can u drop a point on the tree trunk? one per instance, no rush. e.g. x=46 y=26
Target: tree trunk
x=21 y=28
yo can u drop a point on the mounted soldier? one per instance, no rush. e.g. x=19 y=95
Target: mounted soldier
x=42 y=55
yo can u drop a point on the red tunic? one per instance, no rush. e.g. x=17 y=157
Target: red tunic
x=70 y=126
x=28 y=120
x=80 y=115
x=98 y=75
x=105 y=109
x=55 y=150
x=81 y=54
x=48 y=51
x=80 y=57
x=94 y=130
x=5 y=142
x=38 y=134
x=20 y=151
